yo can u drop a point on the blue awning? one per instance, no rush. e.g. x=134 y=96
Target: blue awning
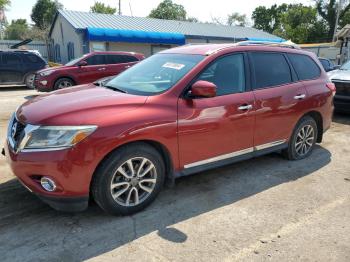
x=134 y=36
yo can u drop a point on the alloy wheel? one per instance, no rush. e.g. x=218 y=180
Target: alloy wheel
x=305 y=140
x=64 y=84
x=133 y=182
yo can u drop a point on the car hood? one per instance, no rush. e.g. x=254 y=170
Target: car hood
x=54 y=69
x=339 y=75
x=80 y=105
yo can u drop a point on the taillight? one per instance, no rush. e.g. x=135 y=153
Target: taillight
x=331 y=87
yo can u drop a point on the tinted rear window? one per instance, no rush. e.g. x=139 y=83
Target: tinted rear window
x=271 y=69
x=118 y=59
x=304 y=66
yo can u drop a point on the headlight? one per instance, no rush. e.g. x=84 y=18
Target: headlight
x=57 y=137
x=46 y=73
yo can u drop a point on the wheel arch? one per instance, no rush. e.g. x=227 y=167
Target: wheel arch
x=319 y=122
x=162 y=150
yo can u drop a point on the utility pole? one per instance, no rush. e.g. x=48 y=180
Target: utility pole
x=339 y=7
x=120 y=8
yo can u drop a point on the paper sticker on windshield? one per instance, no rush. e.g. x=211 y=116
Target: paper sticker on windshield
x=173 y=66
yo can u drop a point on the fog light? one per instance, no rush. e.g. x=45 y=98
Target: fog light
x=44 y=82
x=48 y=184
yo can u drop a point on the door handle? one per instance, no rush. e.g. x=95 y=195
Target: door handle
x=245 y=107
x=101 y=69
x=127 y=66
x=299 y=97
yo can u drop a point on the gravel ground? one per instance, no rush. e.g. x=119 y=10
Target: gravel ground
x=264 y=209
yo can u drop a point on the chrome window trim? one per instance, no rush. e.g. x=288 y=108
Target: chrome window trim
x=235 y=154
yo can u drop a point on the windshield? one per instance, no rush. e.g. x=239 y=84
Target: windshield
x=155 y=74
x=74 y=61
x=345 y=66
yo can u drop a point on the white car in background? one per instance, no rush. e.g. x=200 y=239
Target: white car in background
x=341 y=79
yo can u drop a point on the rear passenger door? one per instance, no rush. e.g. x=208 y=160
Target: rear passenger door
x=118 y=63
x=11 y=69
x=280 y=98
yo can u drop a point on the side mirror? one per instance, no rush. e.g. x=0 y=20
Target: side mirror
x=82 y=63
x=203 y=89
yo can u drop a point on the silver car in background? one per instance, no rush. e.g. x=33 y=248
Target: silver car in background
x=341 y=79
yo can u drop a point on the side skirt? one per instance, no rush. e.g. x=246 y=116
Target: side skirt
x=231 y=160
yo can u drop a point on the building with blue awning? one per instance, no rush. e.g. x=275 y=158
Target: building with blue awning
x=74 y=33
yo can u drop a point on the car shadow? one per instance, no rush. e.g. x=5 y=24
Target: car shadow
x=28 y=227
x=341 y=118
x=13 y=88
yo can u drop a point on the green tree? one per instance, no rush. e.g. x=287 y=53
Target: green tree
x=268 y=19
x=301 y=24
x=237 y=19
x=44 y=12
x=4 y=3
x=101 y=8
x=327 y=9
x=169 y=10
x=18 y=29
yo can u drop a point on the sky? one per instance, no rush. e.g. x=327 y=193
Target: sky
x=201 y=9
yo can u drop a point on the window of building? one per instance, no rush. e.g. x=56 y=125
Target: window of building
x=70 y=51
x=57 y=53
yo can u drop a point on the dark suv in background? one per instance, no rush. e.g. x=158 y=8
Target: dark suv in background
x=85 y=69
x=18 y=67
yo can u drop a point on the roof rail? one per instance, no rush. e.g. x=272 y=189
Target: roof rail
x=267 y=43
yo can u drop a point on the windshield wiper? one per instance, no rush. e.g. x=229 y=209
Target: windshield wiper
x=114 y=88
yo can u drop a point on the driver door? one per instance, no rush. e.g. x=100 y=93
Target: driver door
x=213 y=130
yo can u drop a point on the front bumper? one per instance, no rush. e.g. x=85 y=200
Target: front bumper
x=43 y=84
x=71 y=175
x=342 y=103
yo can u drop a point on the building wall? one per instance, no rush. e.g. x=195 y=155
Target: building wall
x=146 y=49
x=62 y=34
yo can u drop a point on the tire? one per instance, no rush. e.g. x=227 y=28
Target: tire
x=29 y=80
x=303 y=139
x=113 y=183
x=62 y=83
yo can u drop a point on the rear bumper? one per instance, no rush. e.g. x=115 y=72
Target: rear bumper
x=342 y=103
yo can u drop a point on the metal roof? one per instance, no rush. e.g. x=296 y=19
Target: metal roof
x=83 y=20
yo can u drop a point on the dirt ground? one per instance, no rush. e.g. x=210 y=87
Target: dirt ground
x=264 y=209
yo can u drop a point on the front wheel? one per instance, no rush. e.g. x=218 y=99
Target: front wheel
x=303 y=139
x=129 y=179
x=63 y=83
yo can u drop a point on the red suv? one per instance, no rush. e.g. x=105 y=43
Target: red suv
x=85 y=70
x=179 y=112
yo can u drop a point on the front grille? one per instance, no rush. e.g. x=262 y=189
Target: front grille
x=16 y=132
x=343 y=88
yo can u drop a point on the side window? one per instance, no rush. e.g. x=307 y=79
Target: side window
x=227 y=73
x=11 y=59
x=305 y=66
x=129 y=59
x=271 y=69
x=117 y=59
x=30 y=58
x=96 y=60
